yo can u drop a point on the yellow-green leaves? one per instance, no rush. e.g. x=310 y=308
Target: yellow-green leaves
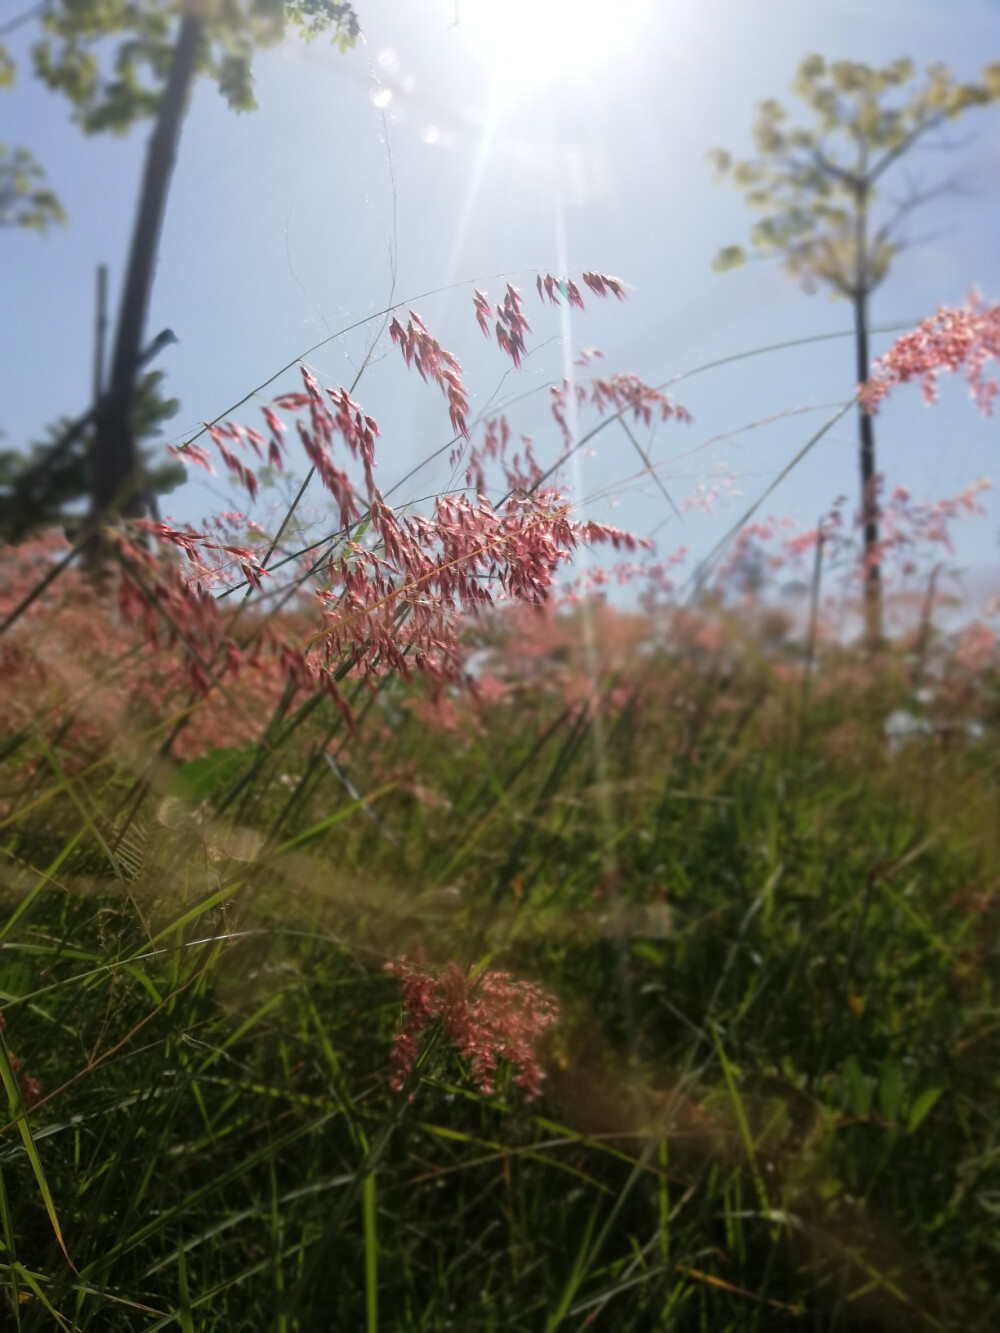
x=730 y=256
x=811 y=69
x=24 y=200
x=814 y=183
x=110 y=58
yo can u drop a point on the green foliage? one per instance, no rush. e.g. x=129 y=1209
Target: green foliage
x=24 y=200
x=47 y=485
x=110 y=58
x=772 y=1104
x=816 y=185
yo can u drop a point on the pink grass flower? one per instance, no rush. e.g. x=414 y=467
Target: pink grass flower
x=431 y=360
x=484 y=312
x=512 y=325
x=487 y=1019
x=949 y=340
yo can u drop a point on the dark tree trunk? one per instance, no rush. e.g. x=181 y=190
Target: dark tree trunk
x=116 y=486
x=872 y=572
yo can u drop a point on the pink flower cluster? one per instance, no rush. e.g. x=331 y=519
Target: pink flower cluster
x=195 y=544
x=622 y=393
x=519 y=474
x=404 y=606
x=432 y=361
x=397 y=603
x=558 y=290
x=512 y=324
x=949 y=340
x=125 y=655
x=421 y=350
x=488 y=1019
x=228 y=434
x=910 y=533
x=909 y=528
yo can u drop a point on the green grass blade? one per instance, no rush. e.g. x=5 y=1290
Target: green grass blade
x=22 y=1120
x=371 y=1253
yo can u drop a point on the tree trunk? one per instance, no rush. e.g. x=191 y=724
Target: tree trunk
x=872 y=572
x=116 y=485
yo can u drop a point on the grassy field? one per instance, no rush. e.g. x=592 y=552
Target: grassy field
x=770 y=1100
x=395 y=939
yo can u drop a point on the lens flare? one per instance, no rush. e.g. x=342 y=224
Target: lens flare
x=524 y=44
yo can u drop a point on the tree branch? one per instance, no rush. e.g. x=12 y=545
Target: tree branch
x=61 y=446
x=904 y=145
x=34 y=12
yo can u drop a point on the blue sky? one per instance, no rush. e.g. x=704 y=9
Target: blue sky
x=284 y=226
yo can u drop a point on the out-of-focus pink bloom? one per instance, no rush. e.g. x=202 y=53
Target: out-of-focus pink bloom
x=31 y=1090
x=949 y=340
x=621 y=392
x=488 y=1019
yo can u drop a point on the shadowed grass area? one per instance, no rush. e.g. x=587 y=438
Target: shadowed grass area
x=771 y=1097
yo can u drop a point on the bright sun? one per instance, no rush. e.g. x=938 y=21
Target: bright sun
x=532 y=43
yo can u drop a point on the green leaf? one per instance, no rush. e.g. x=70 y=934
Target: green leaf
x=183 y=1312
x=922 y=1108
x=18 y=1110
x=719 y=159
x=648 y=953
x=336 y=818
x=200 y=779
x=890 y=1089
x=859 y=1090
x=730 y=256
x=371 y=1253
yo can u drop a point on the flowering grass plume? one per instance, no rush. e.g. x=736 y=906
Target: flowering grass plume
x=621 y=393
x=511 y=322
x=431 y=360
x=968 y=337
x=606 y=796
x=488 y=1018
x=395 y=595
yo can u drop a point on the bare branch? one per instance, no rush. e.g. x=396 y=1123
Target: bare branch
x=949 y=145
x=34 y=12
x=848 y=178
x=915 y=199
x=905 y=144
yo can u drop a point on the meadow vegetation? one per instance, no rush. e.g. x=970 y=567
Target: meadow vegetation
x=402 y=931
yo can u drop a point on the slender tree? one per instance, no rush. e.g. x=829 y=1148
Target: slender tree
x=119 y=62
x=819 y=189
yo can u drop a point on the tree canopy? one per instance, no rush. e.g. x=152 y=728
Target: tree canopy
x=50 y=484
x=817 y=188
x=810 y=181
x=111 y=58
x=119 y=62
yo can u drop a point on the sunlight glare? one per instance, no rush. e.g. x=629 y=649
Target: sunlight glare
x=524 y=44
